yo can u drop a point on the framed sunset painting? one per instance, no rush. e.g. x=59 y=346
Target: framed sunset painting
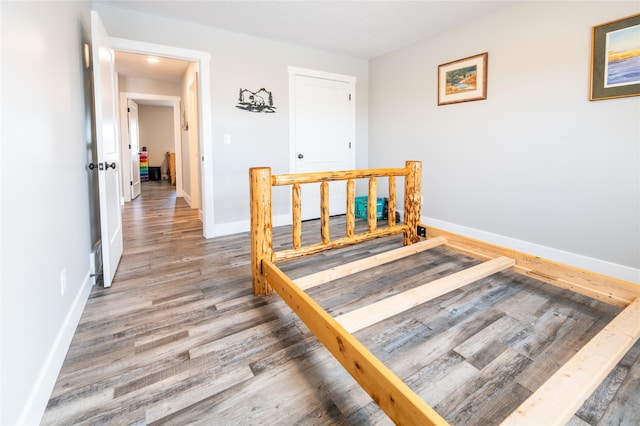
x=463 y=80
x=615 y=61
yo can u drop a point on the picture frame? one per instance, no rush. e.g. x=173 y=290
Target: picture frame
x=615 y=59
x=463 y=80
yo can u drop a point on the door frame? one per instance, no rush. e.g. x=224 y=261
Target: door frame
x=159 y=100
x=205 y=118
x=125 y=147
x=293 y=73
x=195 y=177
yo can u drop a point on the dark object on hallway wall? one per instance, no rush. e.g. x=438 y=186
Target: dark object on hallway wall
x=260 y=101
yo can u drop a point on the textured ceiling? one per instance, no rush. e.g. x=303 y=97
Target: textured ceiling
x=134 y=65
x=364 y=29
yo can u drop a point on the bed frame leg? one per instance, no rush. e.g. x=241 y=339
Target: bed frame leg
x=412 y=201
x=261 y=226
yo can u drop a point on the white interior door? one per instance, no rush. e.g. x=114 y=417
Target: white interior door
x=323 y=130
x=134 y=147
x=107 y=148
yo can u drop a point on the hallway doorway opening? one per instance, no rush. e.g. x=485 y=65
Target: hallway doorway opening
x=188 y=164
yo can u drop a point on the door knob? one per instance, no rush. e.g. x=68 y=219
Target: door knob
x=112 y=165
x=300 y=156
x=93 y=166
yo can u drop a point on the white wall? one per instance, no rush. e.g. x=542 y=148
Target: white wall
x=536 y=164
x=150 y=86
x=239 y=61
x=156 y=133
x=49 y=222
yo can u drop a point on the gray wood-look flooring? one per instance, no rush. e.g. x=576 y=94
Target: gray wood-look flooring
x=180 y=339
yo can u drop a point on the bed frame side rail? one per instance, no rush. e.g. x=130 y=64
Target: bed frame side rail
x=392 y=395
x=606 y=289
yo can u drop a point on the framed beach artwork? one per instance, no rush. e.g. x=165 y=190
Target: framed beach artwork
x=463 y=80
x=615 y=59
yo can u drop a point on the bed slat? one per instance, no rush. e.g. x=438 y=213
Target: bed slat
x=386 y=308
x=318 y=278
x=555 y=402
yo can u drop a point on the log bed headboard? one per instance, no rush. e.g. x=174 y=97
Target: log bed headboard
x=553 y=403
x=261 y=183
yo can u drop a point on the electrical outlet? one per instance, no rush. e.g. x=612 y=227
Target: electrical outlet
x=63 y=281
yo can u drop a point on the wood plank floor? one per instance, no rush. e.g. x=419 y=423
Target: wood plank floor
x=180 y=339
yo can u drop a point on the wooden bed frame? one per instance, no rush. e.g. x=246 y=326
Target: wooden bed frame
x=555 y=402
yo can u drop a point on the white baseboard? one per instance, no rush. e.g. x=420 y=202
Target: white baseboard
x=579 y=261
x=245 y=225
x=35 y=406
x=187 y=198
x=603 y=267
x=230 y=228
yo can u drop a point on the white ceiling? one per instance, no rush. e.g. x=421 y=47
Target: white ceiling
x=364 y=29
x=134 y=65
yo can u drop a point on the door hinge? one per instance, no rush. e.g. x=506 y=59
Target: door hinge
x=131 y=182
x=128 y=109
x=349 y=96
x=349 y=145
x=129 y=146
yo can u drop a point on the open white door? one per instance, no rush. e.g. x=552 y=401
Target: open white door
x=134 y=147
x=107 y=148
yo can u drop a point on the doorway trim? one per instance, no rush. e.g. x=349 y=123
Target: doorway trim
x=205 y=122
x=160 y=100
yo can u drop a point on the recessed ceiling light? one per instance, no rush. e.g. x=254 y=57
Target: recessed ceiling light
x=153 y=60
